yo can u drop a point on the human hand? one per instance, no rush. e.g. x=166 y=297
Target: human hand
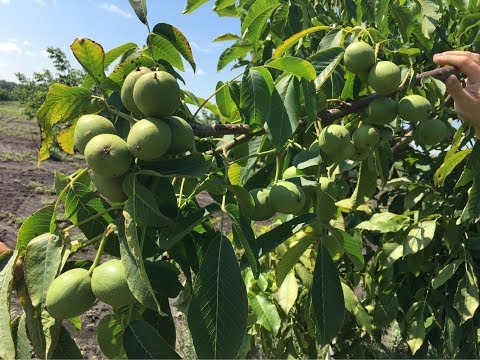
x=467 y=99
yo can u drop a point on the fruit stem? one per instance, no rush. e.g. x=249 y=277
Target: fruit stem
x=88 y=243
x=103 y=241
x=114 y=111
x=260 y=154
x=278 y=166
x=93 y=217
x=180 y=195
x=211 y=96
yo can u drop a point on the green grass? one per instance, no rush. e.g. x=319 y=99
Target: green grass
x=11 y=109
x=13 y=123
x=16 y=156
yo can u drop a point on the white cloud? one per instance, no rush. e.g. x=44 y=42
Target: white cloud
x=199 y=48
x=201 y=72
x=114 y=9
x=45 y=53
x=29 y=53
x=4 y=2
x=46 y=2
x=9 y=47
x=26 y=43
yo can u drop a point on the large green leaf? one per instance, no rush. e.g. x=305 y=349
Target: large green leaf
x=256 y=18
x=366 y=183
x=449 y=164
x=42 y=261
x=419 y=237
x=224 y=100
x=110 y=336
x=162 y=48
x=217 y=316
x=287 y=293
x=327 y=297
x=193 y=5
x=287 y=44
x=416 y=332
x=66 y=347
x=23 y=344
x=325 y=62
x=265 y=311
x=404 y=20
x=255 y=97
x=290 y=258
x=352 y=247
x=236 y=51
x=36 y=224
x=295 y=66
x=91 y=56
x=140 y=8
x=386 y=309
x=7 y=265
x=466 y=299
x=142 y=341
x=63 y=104
x=284 y=114
x=445 y=273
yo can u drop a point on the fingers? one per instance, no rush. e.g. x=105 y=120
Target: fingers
x=457 y=91
x=465 y=61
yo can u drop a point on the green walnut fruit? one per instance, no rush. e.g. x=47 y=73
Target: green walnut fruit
x=157 y=94
x=262 y=207
x=109 y=284
x=292 y=172
x=149 y=139
x=126 y=93
x=414 y=108
x=385 y=77
x=365 y=137
x=183 y=138
x=287 y=197
x=108 y=155
x=70 y=294
x=381 y=111
x=333 y=139
x=111 y=188
x=359 y=57
x=89 y=126
x=431 y=132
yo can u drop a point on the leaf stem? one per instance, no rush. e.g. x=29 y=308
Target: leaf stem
x=93 y=217
x=88 y=243
x=181 y=192
x=103 y=241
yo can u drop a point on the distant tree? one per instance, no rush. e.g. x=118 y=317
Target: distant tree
x=7 y=90
x=31 y=92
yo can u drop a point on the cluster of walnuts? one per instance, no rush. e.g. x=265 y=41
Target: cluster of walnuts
x=152 y=96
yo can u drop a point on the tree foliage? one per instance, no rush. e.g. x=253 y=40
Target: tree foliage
x=386 y=244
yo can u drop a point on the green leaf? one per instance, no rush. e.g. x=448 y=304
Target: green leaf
x=164 y=278
x=284 y=114
x=291 y=257
x=66 y=347
x=288 y=292
x=353 y=305
x=385 y=222
x=255 y=97
x=352 y=247
x=404 y=20
x=450 y=163
x=177 y=39
x=110 y=336
x=161 y=48
x=132 y=261
x=430 y=15
x=36 y=224
x=51 y=331
x=224 y=100
x=419 y=237
x=256 y=18
x=472 y=208
x=310 y=101
x=42 y=261
x=23 y=344
x=142 y=341
x=452 y=333
x=366 y=183
x=265 y=311
x=243 y=234
x=227 y=37
x=445 y=273
x=217 y=316
x=7 y=265
x=271 y=239
x=165 y=325
x=381 y=15
x=236 y=51
x=193 y=5
x=190 y=166
x=63 y=104
x=287 y=44
x=327 y=297
x=325 y=63
x=466 y=299
x=91 y=56
x=140 y=8
x=416 y=333
x=386 y=309
x=295 y=66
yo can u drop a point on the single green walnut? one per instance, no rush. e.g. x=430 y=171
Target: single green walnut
x=183 y=138
x=414 y=108
x=109 y=284
x=149 y=139
x=70 y=294
x=333 y=139
x=381 y=111
x=347 y=153
x=287 y=197
x=157 y=94
x=359 y=57
x=431 y=132
x=89 y=126
x=108 y=155
x=262 y=208
x=111 y=188
x=365 y=136
x=126 y=93
x=385 y=77
x=292 y=172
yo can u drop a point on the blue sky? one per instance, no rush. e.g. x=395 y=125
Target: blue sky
x=28 y=27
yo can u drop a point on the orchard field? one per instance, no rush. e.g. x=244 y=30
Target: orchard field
x=327 y=207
